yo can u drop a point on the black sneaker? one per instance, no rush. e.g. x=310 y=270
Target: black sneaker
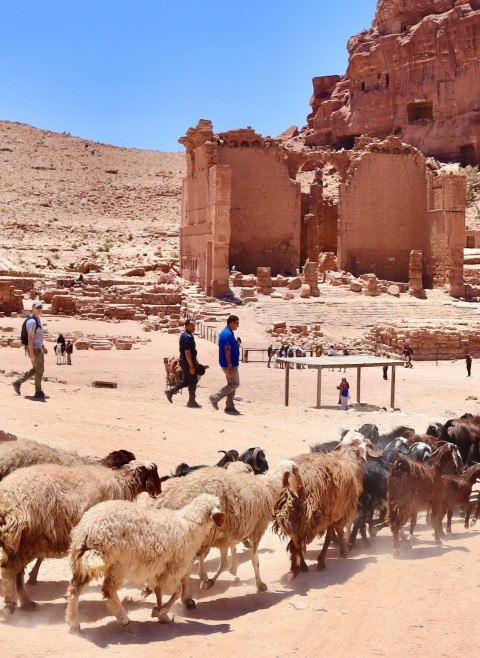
x=193 y=405
x=16 y=387
x=233 y=412
x=213 y=402
x=169 y=395
x=39 y=395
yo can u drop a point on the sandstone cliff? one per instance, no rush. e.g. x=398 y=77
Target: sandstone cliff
x=415 y=74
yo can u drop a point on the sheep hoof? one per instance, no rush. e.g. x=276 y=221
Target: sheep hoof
x=74 y=628
x=29 y=606
x=155 y=611
x=472 y=523
x=165 y=619
x=320 y=566
x=449 y=531
x=190 y=604
x=261 y=587
x=32 y=580
x=207 y=584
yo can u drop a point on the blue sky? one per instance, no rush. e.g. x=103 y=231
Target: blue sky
x=139 y=73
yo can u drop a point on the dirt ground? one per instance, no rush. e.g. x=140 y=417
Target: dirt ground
x=423 y=604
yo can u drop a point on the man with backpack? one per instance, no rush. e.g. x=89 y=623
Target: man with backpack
x=32 y=339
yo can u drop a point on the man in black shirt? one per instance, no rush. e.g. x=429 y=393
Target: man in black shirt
x=188 y=363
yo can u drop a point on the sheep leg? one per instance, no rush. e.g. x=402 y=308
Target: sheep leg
x=323 y=552
x=234 y=560
x=207 y=583
x=187 y=600
x=9 y=589
x=161 y=611
x=341 y=538
x=110 y=588
x=33 y=574
x=261 y=587
x=468 y=511
x=73 y=594
x=24 y=600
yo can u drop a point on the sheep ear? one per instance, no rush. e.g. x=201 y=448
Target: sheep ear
x=218 y=518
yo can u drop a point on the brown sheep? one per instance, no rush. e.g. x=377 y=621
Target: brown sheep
x=328 y=486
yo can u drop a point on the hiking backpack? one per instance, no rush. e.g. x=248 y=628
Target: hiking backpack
x=24 y=333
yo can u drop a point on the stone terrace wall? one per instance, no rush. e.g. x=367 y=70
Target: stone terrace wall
x=429 y=340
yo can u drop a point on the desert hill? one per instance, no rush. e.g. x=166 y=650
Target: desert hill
x=68 y=198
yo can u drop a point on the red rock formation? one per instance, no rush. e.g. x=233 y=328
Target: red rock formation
x=415 y=74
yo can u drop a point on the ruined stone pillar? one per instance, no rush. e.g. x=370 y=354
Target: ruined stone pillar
x=415 y=273
x=264 y=280
x=310 y=277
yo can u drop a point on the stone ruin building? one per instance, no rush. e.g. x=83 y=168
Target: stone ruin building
x=411 y=90
x=242 y=206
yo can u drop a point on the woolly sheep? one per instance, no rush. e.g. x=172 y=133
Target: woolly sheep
x=247 y=503
x=119 y=541
x=26 y=452
x=39 y=505
x=328 y=487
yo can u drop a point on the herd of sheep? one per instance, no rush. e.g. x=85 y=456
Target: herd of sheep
x=53 y=502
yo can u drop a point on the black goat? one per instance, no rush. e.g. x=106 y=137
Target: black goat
x=254 y=457
x=374 y=495
x=385 y=439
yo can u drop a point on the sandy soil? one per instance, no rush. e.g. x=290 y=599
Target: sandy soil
x=369 y=604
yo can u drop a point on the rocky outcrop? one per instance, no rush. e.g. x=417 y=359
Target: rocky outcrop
x=414 y=74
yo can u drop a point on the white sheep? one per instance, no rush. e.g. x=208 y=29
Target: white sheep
x=248 y=506
x=119 y=541
x=39 y=506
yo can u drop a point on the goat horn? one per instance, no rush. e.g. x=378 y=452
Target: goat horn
x=254 y=458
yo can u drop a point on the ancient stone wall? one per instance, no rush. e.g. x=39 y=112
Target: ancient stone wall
x=10 y=299
x=265 y=210
x=382 y=213
x=429 y=340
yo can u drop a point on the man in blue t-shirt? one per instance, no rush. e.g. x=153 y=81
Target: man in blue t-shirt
x=228 y=357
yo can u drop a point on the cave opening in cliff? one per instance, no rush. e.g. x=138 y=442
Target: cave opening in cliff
x=468 y=155
x=422 y=110
x=346 y=142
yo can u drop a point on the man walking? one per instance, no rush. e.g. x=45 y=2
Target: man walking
x=35 y=350
x=228 y=357
x=188 y=363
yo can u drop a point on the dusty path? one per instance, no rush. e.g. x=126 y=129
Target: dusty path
x=369 y=604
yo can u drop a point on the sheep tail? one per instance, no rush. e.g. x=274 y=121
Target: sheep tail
x=86 y=563
x=13 y=522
